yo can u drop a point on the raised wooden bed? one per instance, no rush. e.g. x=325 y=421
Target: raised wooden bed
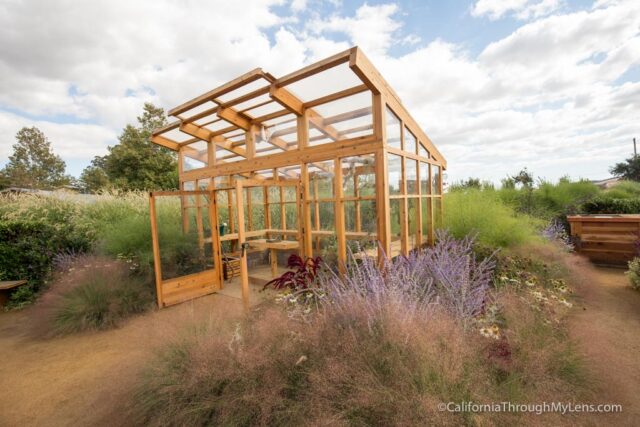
x=606 y=239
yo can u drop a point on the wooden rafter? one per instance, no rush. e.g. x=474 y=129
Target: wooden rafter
x=208 y=136
x=235 y=118
x=286 y=99
x=165 y=142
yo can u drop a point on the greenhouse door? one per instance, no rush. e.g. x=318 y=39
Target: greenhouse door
x=186 y=245
x=259 y=239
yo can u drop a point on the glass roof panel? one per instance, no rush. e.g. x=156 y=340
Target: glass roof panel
x=243 y=90
x=329 y=81
x=177 y=135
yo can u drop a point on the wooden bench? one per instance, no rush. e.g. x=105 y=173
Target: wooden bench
x=6 y=287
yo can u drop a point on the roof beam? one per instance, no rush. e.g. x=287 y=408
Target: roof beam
x=208 y=136
x=165 y=142
x=235 y=118
x=285 y=98
x=166 y=128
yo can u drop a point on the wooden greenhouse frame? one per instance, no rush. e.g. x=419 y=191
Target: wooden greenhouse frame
x=322 y=158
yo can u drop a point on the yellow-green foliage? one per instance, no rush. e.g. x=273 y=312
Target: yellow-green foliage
x=548 y=200
x=623 y=190
x=483 y=212
x=634 y=273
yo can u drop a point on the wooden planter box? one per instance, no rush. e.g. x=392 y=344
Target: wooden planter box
x=606 y=239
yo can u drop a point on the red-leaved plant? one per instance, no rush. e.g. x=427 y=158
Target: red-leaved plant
x=301 y=275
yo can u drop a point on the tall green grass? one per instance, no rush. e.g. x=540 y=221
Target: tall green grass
x=483 y=212
x=97 y=293
x=549 y=200
x=623 y=190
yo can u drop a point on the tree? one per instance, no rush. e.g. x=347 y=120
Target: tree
x=94 y=177
x=629 y=169
x=524 y=177
x=33 y=163
x=135 y=163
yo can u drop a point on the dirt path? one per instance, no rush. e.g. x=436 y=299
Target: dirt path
x=606 y=326
x=85 y=379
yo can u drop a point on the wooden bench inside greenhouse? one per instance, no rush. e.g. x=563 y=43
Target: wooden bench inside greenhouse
x=324 y=159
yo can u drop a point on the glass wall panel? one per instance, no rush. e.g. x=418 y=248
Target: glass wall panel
x=358 y=176
x=321 y=178
x=426 y=218
x=437 y=212
x=194 y=156
x=395 y=208
x=276 y=216
x=394 y=171
x=412 y=218
x=411 y=172
x=410 y=141
x=422 y=152
x=393 y=129
x=344 y=118
x=424 y=178
x=435 y=179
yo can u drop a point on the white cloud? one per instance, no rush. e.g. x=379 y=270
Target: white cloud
x=70 y=141
x=371 y=28
x=547 y=96
x=521 y=9
x=298 y=5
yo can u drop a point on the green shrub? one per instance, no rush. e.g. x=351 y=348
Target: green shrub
x=27 y=250
x=483 y=212
x=552 y=200
x=634 y=273
x=607 y=205
x=624 y=190
x=99 y=296
x=549 y=200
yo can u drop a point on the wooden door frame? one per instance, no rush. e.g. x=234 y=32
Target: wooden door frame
x=239 y=188
x=196 y=284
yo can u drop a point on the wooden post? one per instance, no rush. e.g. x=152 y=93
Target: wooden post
x=216 y=248
x=419 y=207
x=306 y=213
x=283 y=216
x=267 y=210
x=244 y=273
x=404 y=211
x=250 y=142
x=249 y=209
x=316 y=211
x=383 y=204
x=431 y=216
x=339 y=215
x=356 y=193
x=157 y=267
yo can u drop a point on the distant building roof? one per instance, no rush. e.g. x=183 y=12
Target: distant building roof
x=607 y=183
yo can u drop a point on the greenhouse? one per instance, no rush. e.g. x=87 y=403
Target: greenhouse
x=323 y=162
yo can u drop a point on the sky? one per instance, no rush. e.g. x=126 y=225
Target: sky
x=498 y=85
